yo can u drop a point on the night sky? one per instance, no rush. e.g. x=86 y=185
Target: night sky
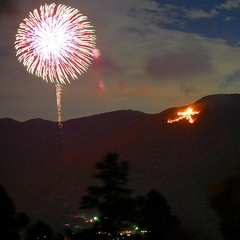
x=153 y=55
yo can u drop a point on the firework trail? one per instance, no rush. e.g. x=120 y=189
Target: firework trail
x=59 y=91
x=56 y=43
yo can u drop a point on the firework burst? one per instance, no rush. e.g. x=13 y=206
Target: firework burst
x=55 y=43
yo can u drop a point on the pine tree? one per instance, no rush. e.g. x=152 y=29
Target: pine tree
x=111 y=198
x=11 y=222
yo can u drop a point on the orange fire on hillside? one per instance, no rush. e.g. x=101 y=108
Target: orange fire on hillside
x=185 y=115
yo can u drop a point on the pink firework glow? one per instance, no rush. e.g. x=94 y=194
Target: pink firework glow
x=55 y=43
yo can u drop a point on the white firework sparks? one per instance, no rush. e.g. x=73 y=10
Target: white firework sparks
x=55 y=42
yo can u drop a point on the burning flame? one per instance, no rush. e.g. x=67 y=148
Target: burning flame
x=186 y=114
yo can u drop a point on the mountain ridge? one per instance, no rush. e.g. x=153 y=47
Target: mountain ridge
x=47 y=177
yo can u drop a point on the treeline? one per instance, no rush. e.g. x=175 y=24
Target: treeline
x=142 y=217
x=15 y=226
x=121 y=214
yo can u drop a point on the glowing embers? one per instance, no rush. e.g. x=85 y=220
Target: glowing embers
x=185 y=115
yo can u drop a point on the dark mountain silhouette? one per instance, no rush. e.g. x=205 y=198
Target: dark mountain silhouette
x=46 y=169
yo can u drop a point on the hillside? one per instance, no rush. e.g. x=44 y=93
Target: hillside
x=46 y=170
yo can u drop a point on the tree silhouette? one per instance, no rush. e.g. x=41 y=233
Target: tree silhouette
x=118 y=209
x=225 y=200
x=10 y=222
x=39 y=230
x=155 y=215
x=111 y=198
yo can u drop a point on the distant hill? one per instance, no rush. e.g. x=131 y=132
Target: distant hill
x=46 y=169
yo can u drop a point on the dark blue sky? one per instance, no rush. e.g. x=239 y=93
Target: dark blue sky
x=217 y=19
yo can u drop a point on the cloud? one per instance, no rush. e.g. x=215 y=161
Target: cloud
x=156 y=14
x=178 y=65
x=145 y=55
x=199 y=13
x=141 y=91
x=187 y=90
x=229 y=18
x=231 y=79
x=105 y=65
x=229 y=4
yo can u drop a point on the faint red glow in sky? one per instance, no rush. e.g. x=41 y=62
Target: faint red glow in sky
x=96 y=53
x=123 y=84
x=100 y=85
